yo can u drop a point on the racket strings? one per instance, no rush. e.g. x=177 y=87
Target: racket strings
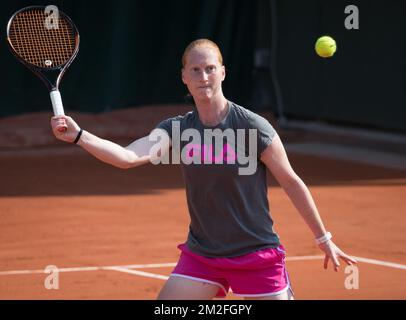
x=46 y=44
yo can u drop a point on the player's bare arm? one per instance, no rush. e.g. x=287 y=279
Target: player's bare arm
x=135 y=154
x=276 y=160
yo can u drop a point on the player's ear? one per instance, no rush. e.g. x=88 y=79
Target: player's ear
x=223 y=71
x=183 y=75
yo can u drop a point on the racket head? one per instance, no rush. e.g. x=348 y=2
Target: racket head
x=46 y=46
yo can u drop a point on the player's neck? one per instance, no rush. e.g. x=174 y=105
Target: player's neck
x=212 y=112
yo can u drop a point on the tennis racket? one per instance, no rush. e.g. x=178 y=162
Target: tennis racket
x=46 y=41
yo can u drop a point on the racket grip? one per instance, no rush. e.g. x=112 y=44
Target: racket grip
x=57 y=103
x=58 y=106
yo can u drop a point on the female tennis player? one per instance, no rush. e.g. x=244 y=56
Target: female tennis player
x=231 y=242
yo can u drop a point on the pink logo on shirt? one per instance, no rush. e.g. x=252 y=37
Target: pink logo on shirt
x=207 y=154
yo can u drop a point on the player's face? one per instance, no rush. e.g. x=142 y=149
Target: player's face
x=203 y=73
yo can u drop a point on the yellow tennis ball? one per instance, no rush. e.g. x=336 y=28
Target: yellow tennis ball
x=326 y=46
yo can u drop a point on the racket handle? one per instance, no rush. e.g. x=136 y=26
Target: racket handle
x=57 y=103
x=58 y=106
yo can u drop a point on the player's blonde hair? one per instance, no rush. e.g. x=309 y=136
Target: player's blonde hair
x=201 y=43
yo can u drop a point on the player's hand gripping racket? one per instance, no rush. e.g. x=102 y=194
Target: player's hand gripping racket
x=46 y=41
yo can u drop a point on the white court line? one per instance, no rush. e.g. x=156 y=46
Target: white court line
x=16 y=272
x=152 y=265
x=359 y=259
x=131 y=266
x=161 y=265
x=381 y=263
x=140 y=273
x=303 y=258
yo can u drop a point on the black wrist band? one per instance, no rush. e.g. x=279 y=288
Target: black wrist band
x=78 y=136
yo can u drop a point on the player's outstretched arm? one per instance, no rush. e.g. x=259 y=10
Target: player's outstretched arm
x=137 y=153
x=277 y=162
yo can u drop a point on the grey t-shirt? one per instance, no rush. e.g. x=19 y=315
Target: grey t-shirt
x=229 y=211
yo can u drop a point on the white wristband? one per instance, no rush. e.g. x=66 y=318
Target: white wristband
x=324 y=238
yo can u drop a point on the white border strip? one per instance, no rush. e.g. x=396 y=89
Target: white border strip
x=263 y=294
x=200 y=280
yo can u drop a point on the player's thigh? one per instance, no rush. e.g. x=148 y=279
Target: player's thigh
x=179 y=288
x=287 y=295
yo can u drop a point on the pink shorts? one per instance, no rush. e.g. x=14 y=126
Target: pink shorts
x=260 y=273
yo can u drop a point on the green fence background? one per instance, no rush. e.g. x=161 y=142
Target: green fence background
x=131 y=50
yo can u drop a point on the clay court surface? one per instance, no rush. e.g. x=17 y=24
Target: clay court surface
x=113 y=233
